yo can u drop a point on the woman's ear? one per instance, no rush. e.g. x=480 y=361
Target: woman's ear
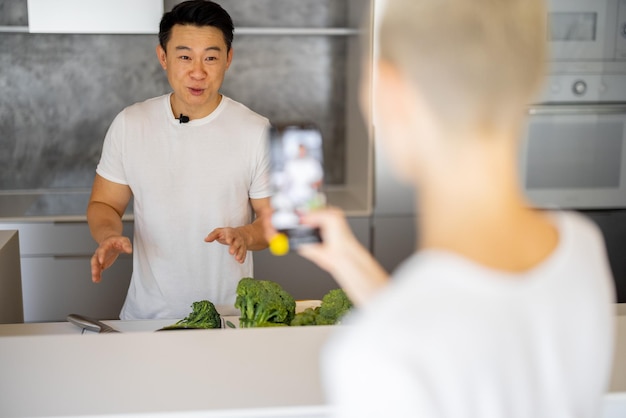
x=386 y=92
x=392 y=116
x=397 y=103
x=405 y=125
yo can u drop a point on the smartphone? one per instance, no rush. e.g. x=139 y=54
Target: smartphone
x=297 y=179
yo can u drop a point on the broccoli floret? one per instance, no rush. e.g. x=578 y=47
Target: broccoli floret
x=306 y=317
x=203 y=315
x=263 y=303
x=335 y=304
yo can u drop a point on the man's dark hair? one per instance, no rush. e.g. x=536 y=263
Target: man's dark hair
x=197 y=13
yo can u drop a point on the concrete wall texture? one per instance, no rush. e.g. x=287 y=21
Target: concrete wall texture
x=59 y=93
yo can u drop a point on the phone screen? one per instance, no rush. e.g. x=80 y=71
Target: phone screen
x=297 y=178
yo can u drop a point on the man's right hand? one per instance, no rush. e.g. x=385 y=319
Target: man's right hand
x=107 y=253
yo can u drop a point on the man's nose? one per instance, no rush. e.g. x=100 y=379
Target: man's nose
x=198 y=71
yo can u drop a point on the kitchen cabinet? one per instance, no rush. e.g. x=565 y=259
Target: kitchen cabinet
x=95 y=16
x=56 y=238
x=54 y=287
x=56 y=272
x=393 y=240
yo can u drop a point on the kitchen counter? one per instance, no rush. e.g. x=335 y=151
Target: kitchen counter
x=70 y=205
x=270 y=372
x=236 y=373
x=45 y=205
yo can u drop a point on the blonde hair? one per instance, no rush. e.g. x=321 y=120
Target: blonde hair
x=477 y=63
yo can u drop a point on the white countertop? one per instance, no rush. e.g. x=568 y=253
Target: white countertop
x=269 y=372
x=242 y=372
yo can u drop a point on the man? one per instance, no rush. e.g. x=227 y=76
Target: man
x=194 y=161
x=504 y=311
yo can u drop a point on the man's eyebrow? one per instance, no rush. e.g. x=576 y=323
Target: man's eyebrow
x=186 y=48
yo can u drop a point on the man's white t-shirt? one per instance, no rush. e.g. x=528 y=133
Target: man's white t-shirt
x=186 y=179
x=453 y=339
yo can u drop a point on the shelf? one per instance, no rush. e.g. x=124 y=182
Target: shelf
x=297 y=31
x=247 y=31
x=14 y=29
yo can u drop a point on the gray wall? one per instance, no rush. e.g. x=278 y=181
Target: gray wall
x=59 y=93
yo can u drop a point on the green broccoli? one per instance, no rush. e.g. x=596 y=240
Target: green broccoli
x=263 y=303
x=306 y=317
x=335 y=304
x=203 y=315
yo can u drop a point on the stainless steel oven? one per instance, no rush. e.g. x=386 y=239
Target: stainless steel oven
x=574 y=150
x=574 y=156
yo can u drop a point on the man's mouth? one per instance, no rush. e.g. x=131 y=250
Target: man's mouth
x=195 y=91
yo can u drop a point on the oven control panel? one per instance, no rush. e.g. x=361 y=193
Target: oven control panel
x=573 y=88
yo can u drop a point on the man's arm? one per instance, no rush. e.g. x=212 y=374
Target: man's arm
x=245 y=238
x=107 y=204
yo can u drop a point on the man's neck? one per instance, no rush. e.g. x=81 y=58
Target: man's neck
x=194 y=112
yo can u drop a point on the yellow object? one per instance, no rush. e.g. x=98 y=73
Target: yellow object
x=279 y=244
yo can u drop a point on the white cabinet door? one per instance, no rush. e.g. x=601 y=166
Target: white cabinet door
x=53 y=287
x=56 y=272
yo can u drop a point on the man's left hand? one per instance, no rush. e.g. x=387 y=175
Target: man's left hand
x=235 y=238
